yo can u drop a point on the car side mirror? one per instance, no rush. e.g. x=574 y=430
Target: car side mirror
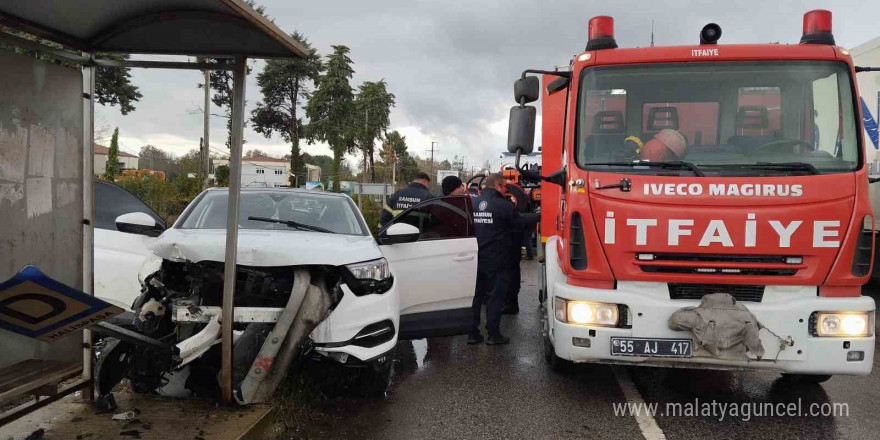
x=521 y=129
x=399 y=233
x=139 y=223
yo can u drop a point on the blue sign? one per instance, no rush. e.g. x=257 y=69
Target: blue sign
x=870 y=122
x=36 y=306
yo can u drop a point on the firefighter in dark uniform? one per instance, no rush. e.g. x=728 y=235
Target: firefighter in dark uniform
x=406 y=198
x=518 y=236
x=495 y=219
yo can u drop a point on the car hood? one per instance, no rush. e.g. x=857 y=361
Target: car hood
x=266 y=248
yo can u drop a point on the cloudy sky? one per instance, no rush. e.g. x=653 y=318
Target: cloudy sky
x=451 y=64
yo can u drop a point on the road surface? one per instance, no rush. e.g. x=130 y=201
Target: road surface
x=446 y=389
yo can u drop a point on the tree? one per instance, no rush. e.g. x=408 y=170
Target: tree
x=394 y=147
x=321 y=161
x=284 y=83
x=221 y=80
x=221 y=175
x=113 y=86
x=111 y=168
x=373 y=104
x=330 y=109
x=458 y=163
x=158 y=160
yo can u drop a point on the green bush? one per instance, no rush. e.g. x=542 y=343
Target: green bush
x=167 y=198
x=372 y=210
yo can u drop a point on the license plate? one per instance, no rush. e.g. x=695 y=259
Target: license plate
x=651 y=347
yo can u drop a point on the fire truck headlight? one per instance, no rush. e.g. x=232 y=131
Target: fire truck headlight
x=580 y=313
x=843 y=324
x=589 y=313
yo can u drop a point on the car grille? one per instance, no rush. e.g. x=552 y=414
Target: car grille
x=696 y=291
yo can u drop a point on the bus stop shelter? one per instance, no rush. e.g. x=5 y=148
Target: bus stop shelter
x=47 y=141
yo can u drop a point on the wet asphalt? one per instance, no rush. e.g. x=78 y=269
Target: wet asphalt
x=446 y=389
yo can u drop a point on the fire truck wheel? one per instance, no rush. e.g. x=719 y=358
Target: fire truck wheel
x=555 y=363
x=805 y=379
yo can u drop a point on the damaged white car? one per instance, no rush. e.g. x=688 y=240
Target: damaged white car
x=311 y=283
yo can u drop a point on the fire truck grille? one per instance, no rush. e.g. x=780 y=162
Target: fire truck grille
x=696 y=291
x=720 y=271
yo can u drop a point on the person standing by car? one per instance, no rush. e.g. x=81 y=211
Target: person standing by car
x=495 y=219
x=453 y=186
x=407 y=197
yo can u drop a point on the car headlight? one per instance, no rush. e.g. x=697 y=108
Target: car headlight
x=843 y=324
x=368 y=277
x=370 y=270
x=586 y=313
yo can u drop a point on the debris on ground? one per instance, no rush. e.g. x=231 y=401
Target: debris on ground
x=128 y=415
x=36 y=435
x=105 y=404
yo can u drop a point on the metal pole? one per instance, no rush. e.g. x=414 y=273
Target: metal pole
x=207 y=154
x=361 y=196
x=238 y=81
x=88 y=216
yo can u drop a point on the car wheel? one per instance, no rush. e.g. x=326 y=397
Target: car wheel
x=805 y=379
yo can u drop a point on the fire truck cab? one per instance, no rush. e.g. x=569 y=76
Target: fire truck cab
x=681 y=173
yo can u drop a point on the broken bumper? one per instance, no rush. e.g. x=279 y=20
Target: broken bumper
x=784 y=310
x=365 y=327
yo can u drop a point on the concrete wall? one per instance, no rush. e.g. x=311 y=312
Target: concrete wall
x=41 y=200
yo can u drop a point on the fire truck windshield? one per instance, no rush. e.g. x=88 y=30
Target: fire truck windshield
x=736 y=119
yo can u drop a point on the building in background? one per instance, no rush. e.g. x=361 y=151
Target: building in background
x=313 y=173
x=261 y=171
x=868 y=54
x=126 y=161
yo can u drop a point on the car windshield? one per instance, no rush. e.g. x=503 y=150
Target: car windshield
x=744 y=118
x=290 y=210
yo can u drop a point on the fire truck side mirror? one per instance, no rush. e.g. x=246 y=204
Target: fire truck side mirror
x=521 y=129
x=528 y=88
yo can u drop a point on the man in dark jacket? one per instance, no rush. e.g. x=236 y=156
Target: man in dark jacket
x=519 y=232
x=406 y=198
x=495 y=219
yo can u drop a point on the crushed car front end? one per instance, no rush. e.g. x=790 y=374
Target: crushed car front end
x=300 y=292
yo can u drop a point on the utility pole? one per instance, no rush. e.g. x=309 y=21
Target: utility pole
x=204 y=163
x=200 y=174
x=652 y=32
x=432 y=150
x=393 y=169
x=366 y=133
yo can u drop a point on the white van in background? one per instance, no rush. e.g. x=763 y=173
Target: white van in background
x=868 y=55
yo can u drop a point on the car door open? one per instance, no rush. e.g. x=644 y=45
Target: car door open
x=436 y=274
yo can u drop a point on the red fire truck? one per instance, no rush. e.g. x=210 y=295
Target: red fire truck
x=708 y=207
